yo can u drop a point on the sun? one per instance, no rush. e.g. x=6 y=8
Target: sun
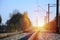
x=40 y=24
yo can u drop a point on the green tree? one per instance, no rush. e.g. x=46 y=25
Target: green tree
x=0 y=19
x=18 y=21
x=15 y=20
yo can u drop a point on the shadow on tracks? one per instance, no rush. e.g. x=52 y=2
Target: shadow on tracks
x=26 y=37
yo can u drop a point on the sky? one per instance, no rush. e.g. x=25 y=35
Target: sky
x=8 y=6
x=59 y=6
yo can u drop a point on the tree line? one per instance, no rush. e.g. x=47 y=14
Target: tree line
x=17 y=22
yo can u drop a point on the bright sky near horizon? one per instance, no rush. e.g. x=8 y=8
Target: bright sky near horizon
x=8 y=6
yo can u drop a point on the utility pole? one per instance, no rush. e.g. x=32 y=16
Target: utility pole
x=36 y=21
x=48 y=12
x=45 y=19
x=57 y=12
x=37 y=14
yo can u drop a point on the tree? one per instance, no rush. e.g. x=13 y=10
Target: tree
x=0 y=19
x=59 y=22
x=51 y=27
x=15 y=20
x=18 y=22
x=27 y=22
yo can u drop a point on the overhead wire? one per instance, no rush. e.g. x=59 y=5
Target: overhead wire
x=39 y=7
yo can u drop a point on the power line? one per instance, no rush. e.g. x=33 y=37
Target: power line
x=42 y=8
x=38 y=6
